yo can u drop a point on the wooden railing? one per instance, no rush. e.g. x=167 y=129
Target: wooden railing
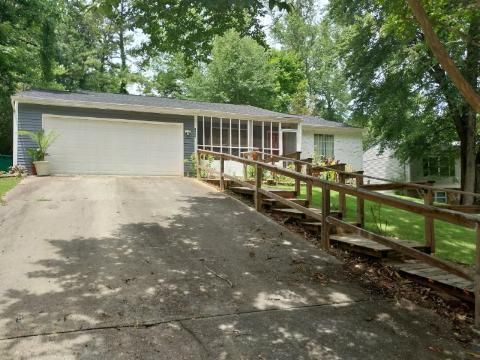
x=387 y=184
x=430 y=212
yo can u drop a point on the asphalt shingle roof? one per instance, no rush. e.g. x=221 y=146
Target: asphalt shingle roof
x=151 y=101
x=318 y=121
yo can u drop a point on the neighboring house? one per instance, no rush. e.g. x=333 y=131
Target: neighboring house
x=332 y=139
x=102 y=133
x=444 y=171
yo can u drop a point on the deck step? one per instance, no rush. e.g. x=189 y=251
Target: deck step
x=313 y=226
x=362 y=245
x=272 y=203
x=294 y=213
x=431 y=276
x=288 y=194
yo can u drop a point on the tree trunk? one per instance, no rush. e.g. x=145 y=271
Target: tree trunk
x=123 y=58
x=121 y=45
x=468 y=156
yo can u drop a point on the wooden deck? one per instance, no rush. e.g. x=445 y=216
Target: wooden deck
x=434 y=277
x=361 y=245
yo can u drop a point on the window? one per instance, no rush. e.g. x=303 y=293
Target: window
x=440 y=197
x=439 y=166
x=323 y=145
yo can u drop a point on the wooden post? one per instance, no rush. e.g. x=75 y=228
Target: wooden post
x=342 y=201
x=258 y=185
x=325 y=214
x=309 y=185
x=298 y=168
x=477 y=279
x=429 y=224
x=245 y=172
x=198 y=162
x=360 y=202
x=222 y=170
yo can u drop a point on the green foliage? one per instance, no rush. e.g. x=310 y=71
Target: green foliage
x=239 y=72
x=399 y=91
x=289 y=80
x=189 y=27
x=314 y=41
x=42 y=139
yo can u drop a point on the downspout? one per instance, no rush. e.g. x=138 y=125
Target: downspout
x=15 y=132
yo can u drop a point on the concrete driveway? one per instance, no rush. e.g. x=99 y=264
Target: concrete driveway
x=150 y=268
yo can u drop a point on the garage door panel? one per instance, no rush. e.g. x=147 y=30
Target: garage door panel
x=86 y=146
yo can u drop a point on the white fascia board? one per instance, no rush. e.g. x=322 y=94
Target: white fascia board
x=150 y=109
x=15 y=132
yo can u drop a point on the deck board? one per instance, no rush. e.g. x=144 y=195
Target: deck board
x=366 y=246
x=436 y=278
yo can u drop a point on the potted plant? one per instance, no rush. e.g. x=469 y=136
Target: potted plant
x=43 y=141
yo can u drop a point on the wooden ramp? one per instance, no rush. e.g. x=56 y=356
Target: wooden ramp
x=434 y=277
x=362 y=245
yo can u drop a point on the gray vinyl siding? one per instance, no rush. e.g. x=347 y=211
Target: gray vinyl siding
x=30 y=118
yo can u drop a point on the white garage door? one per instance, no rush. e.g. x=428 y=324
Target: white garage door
x=100 y=146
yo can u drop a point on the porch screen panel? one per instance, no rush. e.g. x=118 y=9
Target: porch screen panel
x=257 y=135
x=226 y=136
x=207 y=122
x=200 y=133
x=243 y=135
x=276 y=138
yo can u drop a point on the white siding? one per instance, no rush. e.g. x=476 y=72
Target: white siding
x=348 y=147
x=384 y=165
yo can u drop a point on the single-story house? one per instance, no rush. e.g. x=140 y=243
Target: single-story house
x=443 y=170
x=101 y=133
x=332 y=139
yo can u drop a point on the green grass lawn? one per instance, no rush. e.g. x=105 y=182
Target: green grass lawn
x=6 y=184
x=455 y=243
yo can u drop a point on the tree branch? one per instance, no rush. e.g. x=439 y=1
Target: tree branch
x=441 y=54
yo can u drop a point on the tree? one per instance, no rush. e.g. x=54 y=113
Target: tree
x=189 y=27
x=121 y=17
x=239 y=72
x=25 y=54
x=289 y=82
x=400 y=90
x=170 y=75
x=314 y=41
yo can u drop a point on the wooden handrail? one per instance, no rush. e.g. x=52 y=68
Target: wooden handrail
x=450 y=216
x=397 y=183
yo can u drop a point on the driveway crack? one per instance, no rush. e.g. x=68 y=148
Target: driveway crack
x=149 y=324
x=196 y=338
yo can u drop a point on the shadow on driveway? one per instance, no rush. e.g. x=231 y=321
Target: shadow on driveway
x=215 y=280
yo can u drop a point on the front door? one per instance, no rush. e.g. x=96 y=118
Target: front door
x=289 y=139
